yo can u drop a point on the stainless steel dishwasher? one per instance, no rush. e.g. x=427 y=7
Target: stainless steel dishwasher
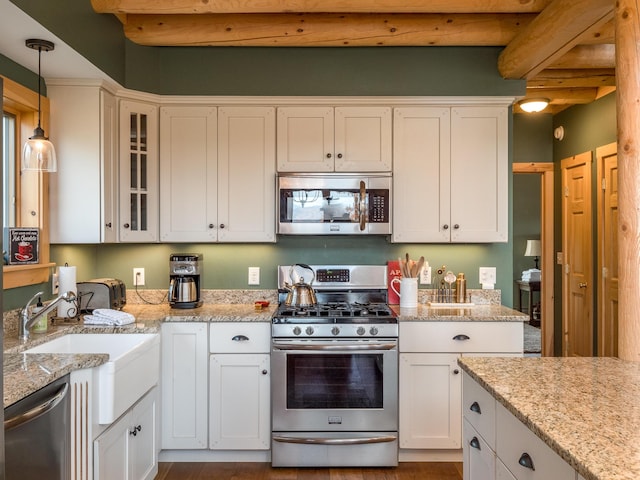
x=38 y=434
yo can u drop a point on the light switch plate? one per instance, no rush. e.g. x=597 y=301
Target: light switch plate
x=254 y=275
x=487 y=275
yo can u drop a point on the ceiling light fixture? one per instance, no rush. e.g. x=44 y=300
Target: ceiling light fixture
x=533 y=105
x=38 y=153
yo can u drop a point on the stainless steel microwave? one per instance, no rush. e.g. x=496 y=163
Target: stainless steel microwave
x=334 y=203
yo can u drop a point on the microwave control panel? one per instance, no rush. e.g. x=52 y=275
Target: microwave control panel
x=379 y=206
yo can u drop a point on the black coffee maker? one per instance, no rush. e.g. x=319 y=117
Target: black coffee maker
x=185 y=271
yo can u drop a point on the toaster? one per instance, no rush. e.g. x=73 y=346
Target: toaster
x=101 y=293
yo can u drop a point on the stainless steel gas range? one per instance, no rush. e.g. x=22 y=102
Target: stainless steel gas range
x=335 y=372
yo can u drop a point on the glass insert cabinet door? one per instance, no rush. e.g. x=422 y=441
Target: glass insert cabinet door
x=139 y=165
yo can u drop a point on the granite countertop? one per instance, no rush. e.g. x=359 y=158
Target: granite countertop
x=586 y=409
x=476 y=313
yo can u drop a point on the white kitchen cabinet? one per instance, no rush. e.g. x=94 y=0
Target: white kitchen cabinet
x=128 y=449
x=450 y=174
x=217 y=170
x=340 y=139
x=184 y=385
x=479 y=460
x=239 y=386
x=430 y=383
x=430 y=399
x=83 y=193
x=188 y=174
x=139 y=167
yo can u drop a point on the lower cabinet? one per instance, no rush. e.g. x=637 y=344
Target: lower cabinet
x=128 y=449
x=184 y=385
x=498 y=446
x=239 y=386
x=430 y=380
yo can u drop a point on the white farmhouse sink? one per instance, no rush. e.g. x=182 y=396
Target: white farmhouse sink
x=133 y=366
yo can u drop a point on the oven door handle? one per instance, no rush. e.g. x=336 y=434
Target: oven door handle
x=336 y=441
x=350 y=347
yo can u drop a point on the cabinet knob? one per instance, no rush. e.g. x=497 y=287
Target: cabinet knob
x=475 y=443
x=264 y=372
x=211 y=225
x=134 y=431
x=222 y=225
x=339 y=155
x=328 y=155
x=445 y=227
x=582 y=285
x=456 y=226
x=475 y=408
x=126 y=225
x=108 y=225
x=526 y=461
x=456 y=371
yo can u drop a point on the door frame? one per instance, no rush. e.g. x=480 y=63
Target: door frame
x=546 y=172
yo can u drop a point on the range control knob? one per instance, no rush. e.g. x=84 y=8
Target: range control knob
x=360 y=331
x=309 y=330
x=297 y=331
x=373 y=331
x=335 y=330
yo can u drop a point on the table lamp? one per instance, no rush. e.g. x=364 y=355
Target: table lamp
x=533 y=250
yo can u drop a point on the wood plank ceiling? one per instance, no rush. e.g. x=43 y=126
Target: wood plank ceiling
x=565 y=49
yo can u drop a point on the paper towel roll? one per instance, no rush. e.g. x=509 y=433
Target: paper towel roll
x=67 y=283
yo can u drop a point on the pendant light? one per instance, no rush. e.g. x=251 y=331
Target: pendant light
x=533 y=105
x=38 y=153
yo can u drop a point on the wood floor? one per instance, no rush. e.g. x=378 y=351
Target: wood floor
x=263 y=471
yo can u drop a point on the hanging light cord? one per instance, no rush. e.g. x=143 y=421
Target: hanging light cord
x=39 y=82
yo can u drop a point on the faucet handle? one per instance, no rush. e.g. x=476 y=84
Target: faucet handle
x=33 y=299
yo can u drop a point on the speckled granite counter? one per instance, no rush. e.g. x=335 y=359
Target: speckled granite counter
x=586 y=409
x=26 y=373
x=477 y=313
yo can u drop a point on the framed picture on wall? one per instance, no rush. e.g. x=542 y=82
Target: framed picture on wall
x=23 y=244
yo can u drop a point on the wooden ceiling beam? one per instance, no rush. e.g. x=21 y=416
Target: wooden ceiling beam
x=314 y=6
x=587 y=56
x=564 y=96
x=556 y=30
x=592 y=77
x=329 y=29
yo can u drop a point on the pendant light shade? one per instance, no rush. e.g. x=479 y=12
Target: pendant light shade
x=38 y=152
x=533 y=105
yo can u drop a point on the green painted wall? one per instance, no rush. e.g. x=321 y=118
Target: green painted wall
x=271 y=71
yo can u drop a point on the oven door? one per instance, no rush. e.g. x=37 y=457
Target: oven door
x=334 y=385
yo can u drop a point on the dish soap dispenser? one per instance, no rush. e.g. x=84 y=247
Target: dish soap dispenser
x=41 y=325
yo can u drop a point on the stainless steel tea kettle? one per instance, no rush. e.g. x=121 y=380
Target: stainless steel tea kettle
x=300 y=294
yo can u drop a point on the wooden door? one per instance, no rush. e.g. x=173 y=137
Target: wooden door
x=608 y=250
x=577 y=246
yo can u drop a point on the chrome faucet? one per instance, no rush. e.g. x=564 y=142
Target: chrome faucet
x=27 y=320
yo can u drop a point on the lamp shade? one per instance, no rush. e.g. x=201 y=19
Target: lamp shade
x=38 y=154
x=533 y=248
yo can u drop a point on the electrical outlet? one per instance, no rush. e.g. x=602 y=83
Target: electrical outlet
x=55 y=286
x=138 y=277
x=254 y=275
x=425 y=276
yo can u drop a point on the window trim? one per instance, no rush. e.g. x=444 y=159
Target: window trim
x=24 y=101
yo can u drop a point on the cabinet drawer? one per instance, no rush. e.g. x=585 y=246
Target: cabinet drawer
x=462 y=337
x=479 y=409
x=515 y=441
x=479 y=460
x=239 y=337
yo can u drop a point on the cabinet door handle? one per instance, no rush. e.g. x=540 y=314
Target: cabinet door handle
x=475 y=408
x=211 y=225
x=445 y=227
x=126 y=225
x=456 y=226
x=461 y=337
x=134 y=431
x=222 y=225
x=240 y=338
x=339 y=155
x=582 y=285
x=526 y=461
x=264 y=372
x=328 y=155
x=456 y=371
x=475 y=443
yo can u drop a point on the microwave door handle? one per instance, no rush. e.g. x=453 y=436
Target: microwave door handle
x=363 y=206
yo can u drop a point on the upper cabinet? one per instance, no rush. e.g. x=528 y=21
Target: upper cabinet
x=139 y=167
x=217 y=174
x=450 y=174
x=340 y=139
x=83 y=200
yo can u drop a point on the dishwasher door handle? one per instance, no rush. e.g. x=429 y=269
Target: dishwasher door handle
x=35 y=412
